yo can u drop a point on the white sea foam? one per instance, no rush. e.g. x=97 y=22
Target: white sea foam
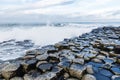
x=42 y=35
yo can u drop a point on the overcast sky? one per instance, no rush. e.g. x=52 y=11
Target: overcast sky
x=59 y=10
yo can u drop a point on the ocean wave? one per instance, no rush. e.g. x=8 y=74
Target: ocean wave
x=39 y=35
x=44 y=35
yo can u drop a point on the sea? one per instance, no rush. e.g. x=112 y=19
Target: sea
x=17 y=38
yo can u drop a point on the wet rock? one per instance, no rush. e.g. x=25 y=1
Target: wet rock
x=95 y=64
x=34 y=73
x=64 y=51
x=89 y=69
x=112 y=54
x=107 y=66
x=108 y=60
x=42 y=57
x=69 y=56
x=31 y=75
x=74 y=49
x=71 y=44
x=11 y=70
x=57 y=70
x=63 y=59
x=89 y=56
x=115 y=77
x=28 y=57
x=118 y=59
x=29 y=64
x=116 y=70
x=96 y=60
x=53 y=58
x=45 y=67
x=41 y=51
x=31 y=52
x=88 y=77
x=35 y=52
x=40 y=62
x=86 y=58
x=113 y=37
x=50 y=49
x=101 y=77
x=106 y=73
x=56 y=55
x=72 y=79
x=59 y=73
x=46 y=76
x=81 y=55
x=1 y=67
x=77 y=70
x=25 y=43
x=117 y=49
x=61 y=46
x=110 y=48
x=96 y=44
x=104 y=53
x=28 y=77
x=100 y=57
x=78 y=60
x=66 y=75
x=93 y=52
x=16 y=78
x=65 y=65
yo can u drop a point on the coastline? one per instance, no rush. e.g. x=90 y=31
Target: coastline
x=91 y=56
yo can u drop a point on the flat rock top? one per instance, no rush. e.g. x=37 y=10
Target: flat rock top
x=11 y=67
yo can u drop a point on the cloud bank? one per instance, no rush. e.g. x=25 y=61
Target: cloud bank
x=59 y=10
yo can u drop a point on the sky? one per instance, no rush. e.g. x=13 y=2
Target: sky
x=59 y=10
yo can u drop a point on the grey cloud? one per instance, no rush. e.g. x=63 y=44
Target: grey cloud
x=116 y=12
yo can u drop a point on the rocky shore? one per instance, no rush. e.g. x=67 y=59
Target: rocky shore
x=91 y=56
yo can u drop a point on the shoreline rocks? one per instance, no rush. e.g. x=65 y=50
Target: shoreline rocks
x=91 y=56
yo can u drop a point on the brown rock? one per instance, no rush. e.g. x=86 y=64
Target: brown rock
x=66 y=75
x=77 y=70
x=88 y=77
x=117 y=49
x=28 y=77
x=78 y=60
x=11 y=70
x=89 y=69
x=44 y=66
x=16 y=78
x=28 y=57
x=96 y=60
x=72 y=79
x=42 y=57
x=104 y=53
x=46 y=76
x=100 y=57
x=29 y=64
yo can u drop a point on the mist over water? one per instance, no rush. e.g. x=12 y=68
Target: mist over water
x=42 y=35
x=39 y=35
